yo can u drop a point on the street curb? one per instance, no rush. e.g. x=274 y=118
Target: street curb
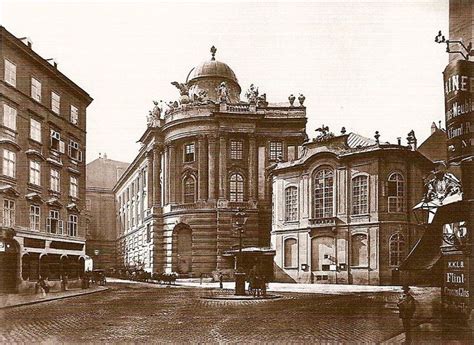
x=53 y=299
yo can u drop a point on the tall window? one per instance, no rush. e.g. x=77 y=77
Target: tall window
x=291 y=253
x=35 y=173
x=36 y=89
x=291 y=204
x=189 y=152
x=236 y=149
x=55 y=180
x=35 y=130
x=73 y=186
x=10 y=72
x=360 y=194
x=189 y=190
x=55 y=102
x=74 y=151
x=9 y=163
x=9 y=117
x=236 y=187
x=323 y=193
x=396 y=193
x=53 y=224
x=397 y=249
x=74 y=115
x=35 y=213
x=8 y=213
x=276 y=150
x=359 y=250
x=72 y=225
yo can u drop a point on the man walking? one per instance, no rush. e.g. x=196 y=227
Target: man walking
x=406 y=306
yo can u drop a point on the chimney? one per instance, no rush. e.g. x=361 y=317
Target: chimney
x=27 y=41
x=433 y=128
x=105 y=155
x=399 y=140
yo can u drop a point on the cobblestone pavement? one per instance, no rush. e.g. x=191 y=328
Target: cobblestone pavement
x=152 y=313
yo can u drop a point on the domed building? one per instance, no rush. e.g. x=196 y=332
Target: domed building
x=203 y=157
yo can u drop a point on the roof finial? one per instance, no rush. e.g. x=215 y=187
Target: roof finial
x=213 y=52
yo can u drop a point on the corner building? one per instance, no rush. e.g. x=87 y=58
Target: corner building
x=343 y=211
x=200 y=161
x=42 y=176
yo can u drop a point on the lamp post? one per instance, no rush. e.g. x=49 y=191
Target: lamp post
x=238 y=221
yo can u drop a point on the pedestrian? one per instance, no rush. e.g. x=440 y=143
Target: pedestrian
x=221 y=277
x=406 y=306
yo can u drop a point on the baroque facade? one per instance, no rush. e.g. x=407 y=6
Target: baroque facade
x=42 y=180
x=202 y=159
x=101 y=230
x=342 y=211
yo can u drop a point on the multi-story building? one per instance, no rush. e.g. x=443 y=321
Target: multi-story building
x=202 y=160
x=342 y=211
x=101 y=230
x=42 y=179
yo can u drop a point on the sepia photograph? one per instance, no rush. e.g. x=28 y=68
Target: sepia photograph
x=236 y=172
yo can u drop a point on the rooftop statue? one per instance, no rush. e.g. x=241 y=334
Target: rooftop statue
x=154 y=115
x=197 y=94
x=183 y=91
x=324 y=133
x=441 y=184
x=252 y=94
x=222 y=93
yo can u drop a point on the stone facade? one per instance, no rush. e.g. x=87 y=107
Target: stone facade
x=101 y=233
x=342 y=212
x=42 y=181
x=200 y=161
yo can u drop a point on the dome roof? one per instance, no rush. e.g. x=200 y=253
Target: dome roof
x=212 y=68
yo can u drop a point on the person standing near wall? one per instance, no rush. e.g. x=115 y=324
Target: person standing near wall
x=406 y=306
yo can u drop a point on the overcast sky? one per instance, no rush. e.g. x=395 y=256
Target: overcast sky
x=364 y=65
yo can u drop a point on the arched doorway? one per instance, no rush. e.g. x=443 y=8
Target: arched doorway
x=9 y=265
x=183 y=248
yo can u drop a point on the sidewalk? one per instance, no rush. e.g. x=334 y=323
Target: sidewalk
x=433 y=333
x=16 y=300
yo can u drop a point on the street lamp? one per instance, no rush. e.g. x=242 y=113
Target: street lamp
x=238 y=221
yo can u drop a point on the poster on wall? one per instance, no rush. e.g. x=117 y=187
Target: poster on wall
x=459 y=105
x=455 y=294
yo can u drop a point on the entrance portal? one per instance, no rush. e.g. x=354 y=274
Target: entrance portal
x=183 y=248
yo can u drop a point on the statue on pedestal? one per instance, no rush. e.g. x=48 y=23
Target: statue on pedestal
x=222 y=93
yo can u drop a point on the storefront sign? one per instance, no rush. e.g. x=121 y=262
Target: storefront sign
x=456 y=284
x=459 y=105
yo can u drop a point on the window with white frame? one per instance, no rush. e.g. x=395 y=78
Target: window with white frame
x=189 y=152
x=323 y=183
x=73 y=186
x=35 y=173
x=276 y=150
x=9 y=163
x=360 y=195
x=36 y=89
x=291 y=204
x=10 y=72
x=396 y=245
x=55 y=180
x=8 y=213
x=396 y=193
x=55 y=102
x=291 y=253
x=189 y=191
x=72 y=225
x=56 y=143
x=236 y=149
x=74 y=115
x=35 y=130
x=35 y=217
x=54 y=225
x=9 y=117
x=236 y=188
x=74 y=150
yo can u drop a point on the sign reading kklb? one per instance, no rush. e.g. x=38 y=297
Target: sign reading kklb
x=459 y=103
x=456 y=284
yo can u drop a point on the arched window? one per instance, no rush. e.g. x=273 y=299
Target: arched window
x=189 y=190
x=323 y=193
x=291 y=253
x=396 y=244
x=360 y=251
x=236 y=187
x=396 y=193
x=291 y=204
x=360 y=195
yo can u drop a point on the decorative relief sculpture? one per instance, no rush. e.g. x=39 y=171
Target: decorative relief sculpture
x=222 y=93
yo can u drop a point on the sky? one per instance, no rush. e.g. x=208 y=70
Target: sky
x=364 y=65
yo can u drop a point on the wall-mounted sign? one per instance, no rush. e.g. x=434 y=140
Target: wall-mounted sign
x=459 y=105
x=456 y=284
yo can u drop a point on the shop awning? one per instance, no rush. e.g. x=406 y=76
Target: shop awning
x=426 y=252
